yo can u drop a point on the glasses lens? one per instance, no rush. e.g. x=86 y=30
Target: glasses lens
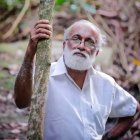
x=89 y=43
x=76 y=41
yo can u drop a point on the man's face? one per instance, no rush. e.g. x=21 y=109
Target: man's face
x=80 y=47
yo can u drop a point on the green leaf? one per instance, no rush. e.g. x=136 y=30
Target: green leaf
x=60 y=2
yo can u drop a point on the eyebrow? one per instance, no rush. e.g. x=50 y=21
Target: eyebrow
x=77 y=35
x=93 y=39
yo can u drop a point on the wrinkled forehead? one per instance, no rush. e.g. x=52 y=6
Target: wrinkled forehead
x=84 y=29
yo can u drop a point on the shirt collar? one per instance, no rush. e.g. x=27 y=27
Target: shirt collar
x=91 y=71
x=60 y=68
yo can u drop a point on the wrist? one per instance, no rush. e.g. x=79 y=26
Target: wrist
x=109 y=136
x=33 y=43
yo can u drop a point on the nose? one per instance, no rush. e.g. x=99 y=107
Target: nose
x=81 y=46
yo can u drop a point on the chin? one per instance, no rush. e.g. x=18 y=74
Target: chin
x=77 y=63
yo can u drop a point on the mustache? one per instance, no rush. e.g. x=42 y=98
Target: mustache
x=77 y=51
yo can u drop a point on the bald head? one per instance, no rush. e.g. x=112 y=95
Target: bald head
x=83 y=25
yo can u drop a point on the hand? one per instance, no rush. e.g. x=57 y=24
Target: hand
x=135 y=129
x=41 y=30
x=105 y=137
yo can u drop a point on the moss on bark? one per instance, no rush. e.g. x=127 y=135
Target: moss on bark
x=42 y=67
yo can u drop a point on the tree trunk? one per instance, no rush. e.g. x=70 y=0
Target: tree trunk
x=42 y=67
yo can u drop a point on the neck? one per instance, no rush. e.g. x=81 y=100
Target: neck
x=77 y=76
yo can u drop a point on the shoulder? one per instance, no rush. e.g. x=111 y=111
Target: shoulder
x=104 y=77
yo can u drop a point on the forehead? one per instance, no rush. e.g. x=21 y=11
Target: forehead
x=84 y=29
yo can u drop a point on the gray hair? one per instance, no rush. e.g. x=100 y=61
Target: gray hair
x=101 y=37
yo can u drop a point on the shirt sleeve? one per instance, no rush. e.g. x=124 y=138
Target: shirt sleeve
x=123 y=104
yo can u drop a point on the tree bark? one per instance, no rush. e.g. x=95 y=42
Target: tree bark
x=42 y=67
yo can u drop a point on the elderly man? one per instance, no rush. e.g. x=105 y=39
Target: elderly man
x=80 y=98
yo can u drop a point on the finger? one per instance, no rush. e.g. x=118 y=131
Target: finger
x=42 y=36
x=137 y=115
x=139 y=127
x=42 y=21
x=43 y=31
x=45 y=26
x=136 y=123
x=136 y=133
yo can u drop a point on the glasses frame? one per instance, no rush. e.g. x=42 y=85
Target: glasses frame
x=80 y=41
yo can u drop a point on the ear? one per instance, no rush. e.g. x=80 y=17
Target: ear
x=97 y=52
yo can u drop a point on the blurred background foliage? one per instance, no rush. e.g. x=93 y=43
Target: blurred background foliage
x=73 y=4
x=120 y=58
x=10 y=4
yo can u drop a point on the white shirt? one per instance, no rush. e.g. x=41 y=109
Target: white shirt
x=81 y=114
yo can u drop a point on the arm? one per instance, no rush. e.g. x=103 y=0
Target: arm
x=122 y=126
x=23 y=83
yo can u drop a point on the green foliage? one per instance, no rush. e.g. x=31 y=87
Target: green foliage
x=60 y=2
x=9 y=4
x=76 y=5
x=73 y=5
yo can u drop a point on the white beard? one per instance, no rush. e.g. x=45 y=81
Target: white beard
x=77 y=62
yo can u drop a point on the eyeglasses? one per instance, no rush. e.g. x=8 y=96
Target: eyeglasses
x=77 y=40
